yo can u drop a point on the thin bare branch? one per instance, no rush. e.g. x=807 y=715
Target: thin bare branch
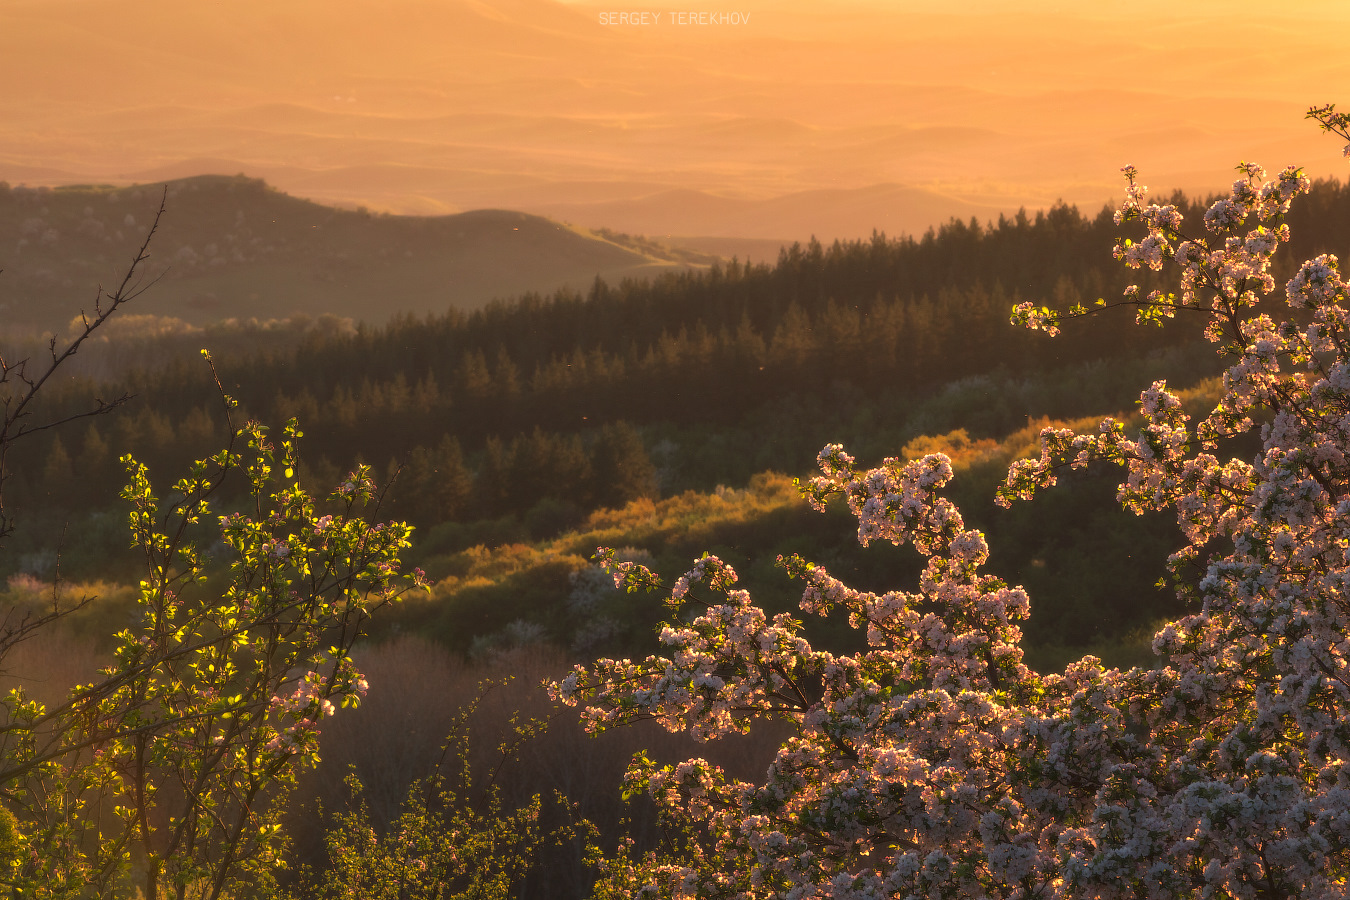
x=18 y=407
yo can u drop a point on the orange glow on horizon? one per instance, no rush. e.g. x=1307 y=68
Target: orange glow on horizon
x=796 y=118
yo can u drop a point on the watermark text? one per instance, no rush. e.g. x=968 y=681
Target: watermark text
x=652 y=18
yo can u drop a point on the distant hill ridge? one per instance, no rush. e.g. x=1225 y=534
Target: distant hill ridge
x=235 y=248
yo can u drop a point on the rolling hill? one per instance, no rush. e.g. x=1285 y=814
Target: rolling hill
x=231 y=247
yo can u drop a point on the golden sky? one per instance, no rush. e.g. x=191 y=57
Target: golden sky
x=751 y=119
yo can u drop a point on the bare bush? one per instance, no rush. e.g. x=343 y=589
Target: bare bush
x=397 y=736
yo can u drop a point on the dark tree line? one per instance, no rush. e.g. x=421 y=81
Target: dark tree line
x=511 y=404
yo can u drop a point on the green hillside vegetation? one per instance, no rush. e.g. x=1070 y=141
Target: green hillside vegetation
x=236 y=248
x=499 y=588
x=511 y=426
x=495 y=598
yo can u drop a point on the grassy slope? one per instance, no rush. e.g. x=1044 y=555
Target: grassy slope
x=491 y=597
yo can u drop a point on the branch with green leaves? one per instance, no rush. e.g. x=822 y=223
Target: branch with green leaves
x=168 y=771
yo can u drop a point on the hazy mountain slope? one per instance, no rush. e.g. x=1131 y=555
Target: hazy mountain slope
x=233 y=247
x=441 y=106
x=827 y=214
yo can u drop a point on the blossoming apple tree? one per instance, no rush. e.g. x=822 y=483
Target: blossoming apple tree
x=164 y=775
x=935 y=763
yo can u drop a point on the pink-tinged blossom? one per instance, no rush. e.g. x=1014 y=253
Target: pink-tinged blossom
x=1030 y=316
x=1150 y=252
x=1317 y=284
x=1225 y=215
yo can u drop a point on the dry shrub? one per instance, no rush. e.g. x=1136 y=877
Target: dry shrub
x=417 y=689
x=50 y=663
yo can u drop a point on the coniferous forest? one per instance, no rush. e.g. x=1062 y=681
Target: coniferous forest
x=514 y=423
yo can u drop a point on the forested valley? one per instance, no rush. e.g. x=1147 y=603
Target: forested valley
x=517 y=423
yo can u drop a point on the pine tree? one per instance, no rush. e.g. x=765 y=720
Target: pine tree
x=58 y=474
x=622 y=469
x=452 y=484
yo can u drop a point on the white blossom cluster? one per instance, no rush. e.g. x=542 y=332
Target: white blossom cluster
x=934 y=764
